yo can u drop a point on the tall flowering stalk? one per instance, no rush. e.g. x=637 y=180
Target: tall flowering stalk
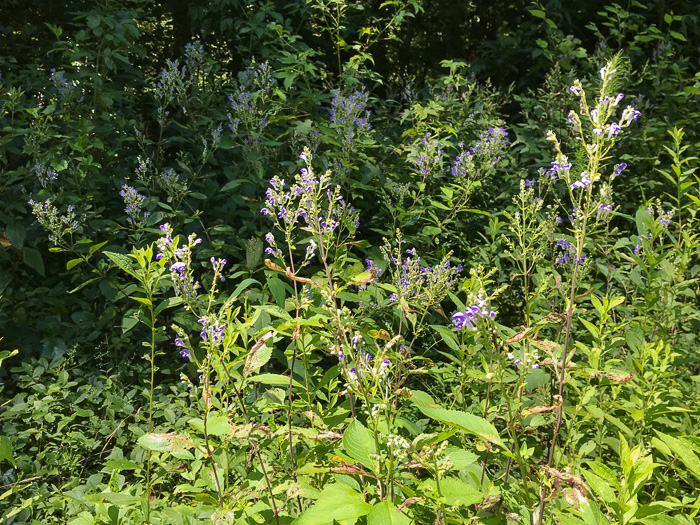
x=597 y=129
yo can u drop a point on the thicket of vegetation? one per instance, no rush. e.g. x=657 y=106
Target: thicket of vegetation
x=351 y=262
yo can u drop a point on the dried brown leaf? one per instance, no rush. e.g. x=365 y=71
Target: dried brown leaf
x=618 y=378
x=543 y=408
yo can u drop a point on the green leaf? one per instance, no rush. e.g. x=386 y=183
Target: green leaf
x=84 y=518
x=467 y=422
x=337 y=502
x=33 y=259
x=216 y=425
x=73 y=263
x=121 y=464
x=677 y=36
x=244 y=284
x=96 y=247
x=538 y=13
x=358 y=442
x=118 y=498
x=15 y=233
x=386 y=513
x=155 y=442
x=458 y=492
x=278 y=290
x=6 y=450
x=600 y=487
x=257 y=359
x=274 y=379
x=686 y=455
x=168 y=303
x=122 y=261
x=275 y=311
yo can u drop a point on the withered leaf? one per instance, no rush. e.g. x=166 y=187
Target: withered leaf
x=543 y=408
x=618 y=378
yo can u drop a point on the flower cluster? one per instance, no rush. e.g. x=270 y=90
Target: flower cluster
x=45 y=174
x=56 y=224
x=567 y=253
x=528 y=359
x=349 y=115
x=133 y=201
x=560 y=167
x=363 y=366
x=250 y=108
x=183 y=346
x=311 y=201
x=213 y=330
x=471 y=315
x=195 y=59
x=65 y=87
x=416 y=282
x=483 y=156
x=180 y=259
x=490 y=148
x=172 y=84
x=427 y=155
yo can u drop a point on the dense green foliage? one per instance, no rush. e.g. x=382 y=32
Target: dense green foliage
x=330 y=261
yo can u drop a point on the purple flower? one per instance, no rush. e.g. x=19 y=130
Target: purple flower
x=177 y=267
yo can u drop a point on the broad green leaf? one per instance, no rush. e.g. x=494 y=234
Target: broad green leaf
x=155 y=442
x=33 y=259
x=121 y=464
x=460 y=458
x=458 y=492
x=537 y=13
x=73 y=263
x=275 y=311
x=336 y=502
x=6 y=450
x=117 y=498
x=168 y=303
x=358 y=442
x=122 y=261
x=216 y=425
x=96 y=247
x=15 y=233
x=600 y=487
x=84 y=518
x=386 y=513
x=274 y=379
x=258 y=358
x=467 y=422
x=686 y=455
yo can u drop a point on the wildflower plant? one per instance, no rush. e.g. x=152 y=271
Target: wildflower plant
x=350 y=117
x=252 y=107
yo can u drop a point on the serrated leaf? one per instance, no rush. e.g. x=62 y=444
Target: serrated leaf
x=684 y=453
x=458 y=492
x=358 y=442
x=216 y=425
x=336 y=502
x=155 y=442
x=386 y=513
x=122 y=261
x=600 y=487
